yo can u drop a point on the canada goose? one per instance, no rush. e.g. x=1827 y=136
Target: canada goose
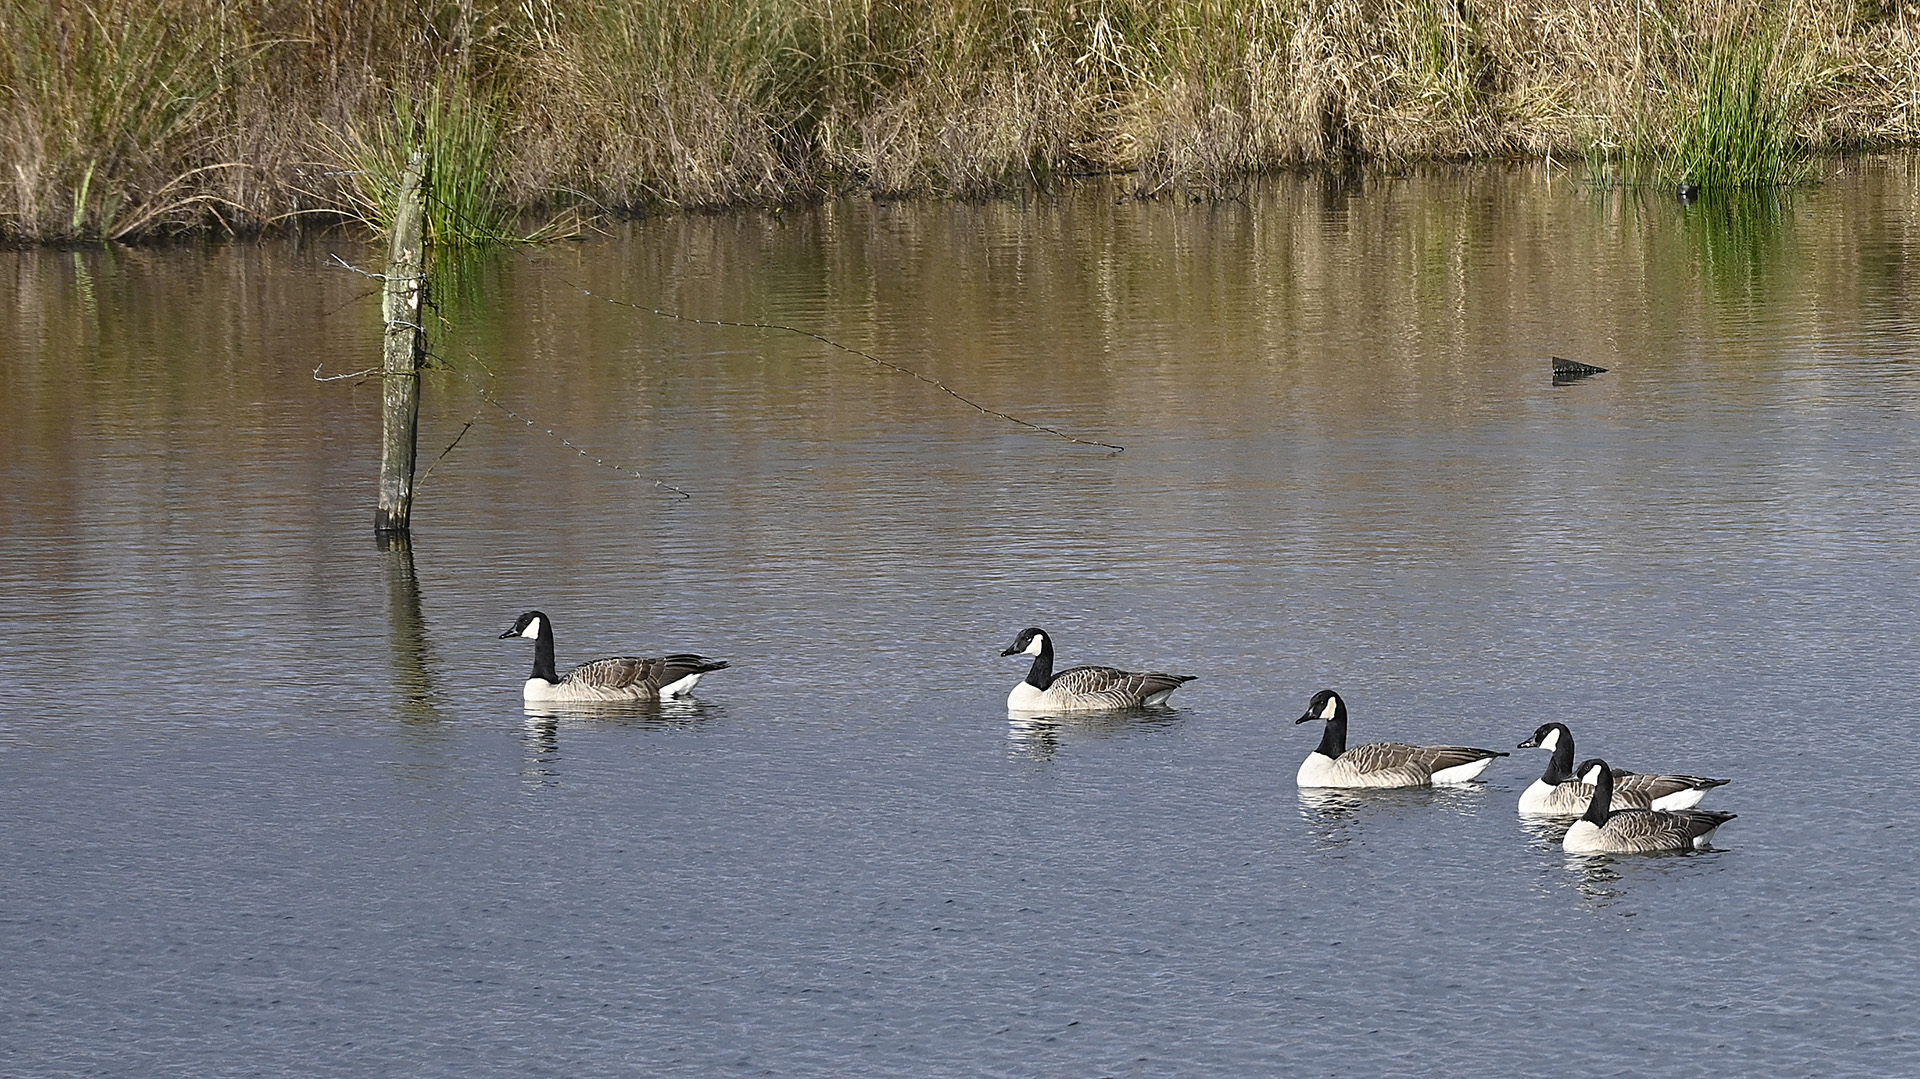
x=1081 y=689
x=1381 y=764
x=1635 y=831
x=620 y=678
x=1560 y=793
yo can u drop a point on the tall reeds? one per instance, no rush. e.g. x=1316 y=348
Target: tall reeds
x=122 y=118
x=1719 y=107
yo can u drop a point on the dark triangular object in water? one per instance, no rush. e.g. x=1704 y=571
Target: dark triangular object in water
x=1565 y=371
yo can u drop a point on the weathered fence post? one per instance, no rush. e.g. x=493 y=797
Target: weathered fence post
x=405 y=353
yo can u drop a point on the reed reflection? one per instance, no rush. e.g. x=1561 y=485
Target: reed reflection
x=1741 y=239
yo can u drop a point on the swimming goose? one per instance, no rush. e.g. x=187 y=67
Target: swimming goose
x=1381 y=764
x=1561 y=793
x=1635 y=831
x=620 y=678
x=1081 y=689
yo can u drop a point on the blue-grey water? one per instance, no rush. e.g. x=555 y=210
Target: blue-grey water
x=270 y=803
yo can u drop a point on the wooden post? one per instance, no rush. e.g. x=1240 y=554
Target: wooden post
x=405 y=352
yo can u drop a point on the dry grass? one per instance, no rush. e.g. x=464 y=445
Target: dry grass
x=127 y=118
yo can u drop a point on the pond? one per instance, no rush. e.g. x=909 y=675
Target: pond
x=272 y=803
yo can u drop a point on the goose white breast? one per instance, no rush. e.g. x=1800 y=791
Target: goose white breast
x=1381 y=764
x=1602 y=830
x=1081 y=689
x=618 y=678
x=1560 y=793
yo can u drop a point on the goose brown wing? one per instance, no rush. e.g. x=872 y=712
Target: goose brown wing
x=1121 y=688
x=1573 y=797
x=614 y=672
x=627 y=672
x=1397 y=754
x=1638 y=831
x=1439 y=758
x=1652 y=786
x=1414 y=762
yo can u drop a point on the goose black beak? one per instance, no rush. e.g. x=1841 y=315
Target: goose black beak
x=507 y=634
x=1011 y=651
x=1531 y=743
x=1305 y=718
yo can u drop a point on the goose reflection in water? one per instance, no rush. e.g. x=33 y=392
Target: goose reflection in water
x=1039 y=737
x=1596 y=879
x=542 y=751
x=1545 y=833
x=1331 y=813
x=602 y=715
x=546 y=719
x=1603 y=879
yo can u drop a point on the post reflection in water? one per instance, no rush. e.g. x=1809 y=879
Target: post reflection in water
x=407 y=633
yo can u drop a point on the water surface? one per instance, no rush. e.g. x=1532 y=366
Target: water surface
x=271 y=801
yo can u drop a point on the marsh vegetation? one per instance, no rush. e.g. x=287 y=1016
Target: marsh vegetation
x=126 y=118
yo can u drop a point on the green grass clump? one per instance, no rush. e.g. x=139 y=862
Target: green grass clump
x=1740 y=131
x=1729 y=119
x=467 y=200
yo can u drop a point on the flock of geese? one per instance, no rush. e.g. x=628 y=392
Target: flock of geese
x=1617 y=811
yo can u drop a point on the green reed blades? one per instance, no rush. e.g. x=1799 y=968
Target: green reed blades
x=1735 y=129
x=467 y=197
x=1719 y=108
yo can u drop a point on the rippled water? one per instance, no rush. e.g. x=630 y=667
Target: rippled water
x=272 y=804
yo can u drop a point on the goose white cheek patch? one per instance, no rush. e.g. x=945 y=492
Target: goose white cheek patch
x=1327 y=712
x=532 y=630
x=1033 y=646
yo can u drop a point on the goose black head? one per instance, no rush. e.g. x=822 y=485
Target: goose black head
x=1547 y=737
x=1326 y=705
x=527 y=625
x=1595 y=772
x=1032 y=641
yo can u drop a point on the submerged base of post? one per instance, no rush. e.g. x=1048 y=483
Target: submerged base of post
x=391 y=533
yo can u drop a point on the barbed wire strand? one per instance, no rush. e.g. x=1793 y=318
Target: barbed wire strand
x=486 y=397
x=481 y=229
x=868 y=356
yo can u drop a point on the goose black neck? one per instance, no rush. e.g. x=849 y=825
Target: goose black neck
x=1040 y=675
x=1560 y=764
x=1333 y=741
x=1602 y=805
x=543 y=653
